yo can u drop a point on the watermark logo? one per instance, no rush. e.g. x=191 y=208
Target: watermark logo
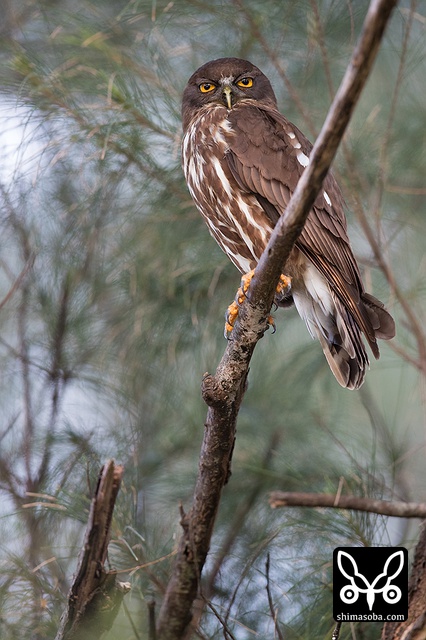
x=370 y=583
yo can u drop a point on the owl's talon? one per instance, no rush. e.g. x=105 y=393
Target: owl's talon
x=230 y=316
x=232 y=312
x=271 y=323
x=245 y=282
x=283 y=288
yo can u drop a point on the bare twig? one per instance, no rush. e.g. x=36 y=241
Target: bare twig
x=336 y=632
x=228 y=635
x=270 y=601
x=319 y=33
x=383 y=507
x=224 y=391
x=152 y=634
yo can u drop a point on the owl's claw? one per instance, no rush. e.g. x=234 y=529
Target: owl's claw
x=282 y=290
x=245 y=282
x=271 y=323
x=230 y=317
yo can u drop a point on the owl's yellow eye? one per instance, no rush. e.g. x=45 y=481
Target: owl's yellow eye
x=206 y=87
x=246 y=83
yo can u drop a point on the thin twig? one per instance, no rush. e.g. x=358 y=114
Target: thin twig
x=226 y=631
x=336 y=632
x=130 y=619
x=270 y=601
x=16 y=285
x=382 y=507
x=152 y=634
x=321 y=42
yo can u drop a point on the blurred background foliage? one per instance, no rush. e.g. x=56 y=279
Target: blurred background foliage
x=113 y=294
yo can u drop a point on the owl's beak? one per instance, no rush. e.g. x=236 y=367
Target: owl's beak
x=227 y=96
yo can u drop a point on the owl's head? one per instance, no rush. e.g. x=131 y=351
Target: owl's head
x=225 y=81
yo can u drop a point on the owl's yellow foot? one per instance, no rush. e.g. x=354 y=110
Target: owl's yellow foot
x=230 y=316
x=283 y=288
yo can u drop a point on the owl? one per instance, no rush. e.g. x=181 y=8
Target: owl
x=242 y=160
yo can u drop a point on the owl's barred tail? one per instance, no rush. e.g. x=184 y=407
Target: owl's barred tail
x=345 y=351
x=341 y=335
x=348 y=371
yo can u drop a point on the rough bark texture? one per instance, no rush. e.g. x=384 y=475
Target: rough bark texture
x=414 y=628
x=95 y=595
x=355 y=503
x=224 y=391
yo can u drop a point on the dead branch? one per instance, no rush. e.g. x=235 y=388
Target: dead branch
x=224 y=391
x=95 y=595
x=270 y=600
x=382 y=507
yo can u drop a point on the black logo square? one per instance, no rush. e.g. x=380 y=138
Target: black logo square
x=370 y=583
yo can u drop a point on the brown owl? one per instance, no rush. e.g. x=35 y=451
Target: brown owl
x=242 y=160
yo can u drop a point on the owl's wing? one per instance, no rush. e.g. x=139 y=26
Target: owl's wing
x=267 y=155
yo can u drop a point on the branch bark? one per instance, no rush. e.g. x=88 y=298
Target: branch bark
x=95 y=595
x=414 y=628
x=383 y=507
x=224 y=391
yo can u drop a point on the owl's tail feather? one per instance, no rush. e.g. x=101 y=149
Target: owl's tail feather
x=345 y=352
x=341 y=336
x=348 y=371
x=381 y=321
x=343 y=348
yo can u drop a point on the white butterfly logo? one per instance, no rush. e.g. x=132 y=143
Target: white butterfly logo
x=350 y=592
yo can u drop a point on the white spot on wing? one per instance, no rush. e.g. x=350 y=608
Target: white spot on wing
x=327 y=198
x=294 y=141
x=303 y=159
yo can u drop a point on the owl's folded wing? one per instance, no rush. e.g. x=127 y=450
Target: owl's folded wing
x=267 y=155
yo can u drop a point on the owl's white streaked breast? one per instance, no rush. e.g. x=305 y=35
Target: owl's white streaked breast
x=235 y=218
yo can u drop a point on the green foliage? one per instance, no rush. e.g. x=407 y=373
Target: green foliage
x=114 y=295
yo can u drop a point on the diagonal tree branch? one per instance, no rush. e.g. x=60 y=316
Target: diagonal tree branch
x=224 y=391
